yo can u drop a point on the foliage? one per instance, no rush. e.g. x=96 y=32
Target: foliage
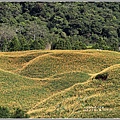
x=43 y=22
x=102 y=76
x=14 y=45
x=4 y=112
x=63 y=45
x=18 y=113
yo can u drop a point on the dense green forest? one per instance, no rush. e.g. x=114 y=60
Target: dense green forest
x=59 y=25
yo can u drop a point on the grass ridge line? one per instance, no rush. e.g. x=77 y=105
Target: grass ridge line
x=31 y=110
x=106 y=69
x=31 y=61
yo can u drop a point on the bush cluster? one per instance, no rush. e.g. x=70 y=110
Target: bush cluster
x=18 y=113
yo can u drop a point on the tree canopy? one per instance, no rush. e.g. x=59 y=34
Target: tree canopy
x=67 y=25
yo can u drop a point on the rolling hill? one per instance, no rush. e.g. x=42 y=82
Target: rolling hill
x=61 y=83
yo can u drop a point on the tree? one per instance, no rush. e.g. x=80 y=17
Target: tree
x=109 y=31
x=63 y=44
x=24 y=43
x=6 y=34
x=5 y=46
x=96 y=46
x=78 y=45
x=96 y=27
x=38 y=21
x=14 y=44
x=94 y=38
x=101 y=44
x=36 y=31
x=37 y=44
x=114 y=44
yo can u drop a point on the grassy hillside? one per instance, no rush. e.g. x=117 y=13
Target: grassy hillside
x=58 y=62
x=61 y=83
x=93 y=98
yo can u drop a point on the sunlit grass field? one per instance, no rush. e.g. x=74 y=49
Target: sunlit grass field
x=61 y=83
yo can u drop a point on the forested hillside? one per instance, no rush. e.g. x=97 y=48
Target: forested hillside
x=59 y=25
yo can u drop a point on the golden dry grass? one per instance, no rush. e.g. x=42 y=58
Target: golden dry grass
x=60 y=83
x=58 y=62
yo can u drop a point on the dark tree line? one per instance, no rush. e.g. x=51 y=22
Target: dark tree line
x=67 y=25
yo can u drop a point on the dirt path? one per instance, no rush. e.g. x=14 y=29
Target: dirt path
x=106 y=69
x=89 y=80
x=31 y=61
x=55 y=94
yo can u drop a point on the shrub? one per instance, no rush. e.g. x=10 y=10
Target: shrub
x=102 y=76
x=20 y=114
x=4 y=112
